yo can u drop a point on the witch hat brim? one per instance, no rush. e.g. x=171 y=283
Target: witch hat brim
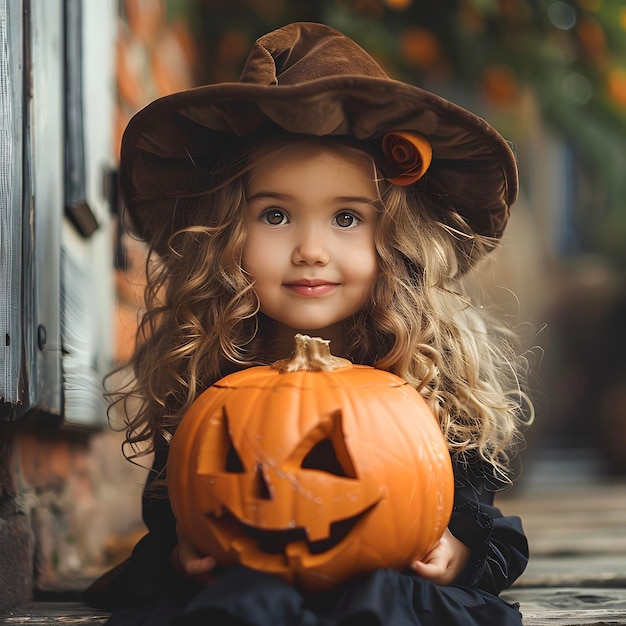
x=308 y=78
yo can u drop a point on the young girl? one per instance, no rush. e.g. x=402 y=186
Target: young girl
x=317 y=195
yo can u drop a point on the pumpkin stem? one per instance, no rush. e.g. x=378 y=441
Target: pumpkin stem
x=311 y=354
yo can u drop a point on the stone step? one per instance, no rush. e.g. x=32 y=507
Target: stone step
x=558 y=606
x=570 y=606
x=46 y=613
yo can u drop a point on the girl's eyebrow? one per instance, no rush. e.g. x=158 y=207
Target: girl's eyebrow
x=272 y=195
x=355 y=200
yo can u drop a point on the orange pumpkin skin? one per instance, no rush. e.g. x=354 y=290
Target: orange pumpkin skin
x=313 y=476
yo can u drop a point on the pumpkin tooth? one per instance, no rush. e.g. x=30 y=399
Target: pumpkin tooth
x=295 y=551
x=318 y=531
x=338 y=531
x=238 y=547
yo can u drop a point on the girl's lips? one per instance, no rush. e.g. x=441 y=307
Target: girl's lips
x=311 y=289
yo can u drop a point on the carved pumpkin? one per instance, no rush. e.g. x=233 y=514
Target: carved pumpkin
x=315 y=476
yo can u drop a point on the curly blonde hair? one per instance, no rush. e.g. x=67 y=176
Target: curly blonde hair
x=202 y=314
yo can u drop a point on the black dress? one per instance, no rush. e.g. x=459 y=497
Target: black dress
x=145 y=590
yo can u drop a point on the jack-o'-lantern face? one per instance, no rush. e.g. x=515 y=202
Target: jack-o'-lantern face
x=267 y=497
x=313 y=476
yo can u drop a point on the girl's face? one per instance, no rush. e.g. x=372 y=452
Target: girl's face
x=310 y=245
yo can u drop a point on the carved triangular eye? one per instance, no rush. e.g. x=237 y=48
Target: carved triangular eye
x=329 y=452
x=217 y=452
x=322 y=457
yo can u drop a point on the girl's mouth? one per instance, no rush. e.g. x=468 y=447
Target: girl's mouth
x=311 y=288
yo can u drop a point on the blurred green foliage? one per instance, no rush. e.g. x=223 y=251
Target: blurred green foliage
x=570 y=55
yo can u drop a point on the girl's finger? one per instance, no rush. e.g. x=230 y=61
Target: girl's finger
x=197 y=567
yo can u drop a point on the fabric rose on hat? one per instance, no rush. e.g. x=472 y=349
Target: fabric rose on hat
x=410 y=153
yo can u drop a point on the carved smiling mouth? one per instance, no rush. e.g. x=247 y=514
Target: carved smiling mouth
x=276 y=541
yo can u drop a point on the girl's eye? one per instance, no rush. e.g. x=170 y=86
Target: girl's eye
x=346 y=220
x=274 y=217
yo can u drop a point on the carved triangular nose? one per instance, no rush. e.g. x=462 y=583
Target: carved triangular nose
x=261 y=487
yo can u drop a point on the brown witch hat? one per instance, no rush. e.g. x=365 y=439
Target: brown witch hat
x=309 y=78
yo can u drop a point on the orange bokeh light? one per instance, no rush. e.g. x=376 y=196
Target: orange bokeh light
x=616 y=84
x=420 y=47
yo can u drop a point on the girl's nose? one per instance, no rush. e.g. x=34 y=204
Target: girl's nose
x=311 y=250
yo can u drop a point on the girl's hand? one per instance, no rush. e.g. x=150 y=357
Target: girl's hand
x=190 y=563
x=444 y=562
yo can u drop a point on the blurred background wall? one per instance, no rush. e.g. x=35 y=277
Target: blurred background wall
x=550 y=75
